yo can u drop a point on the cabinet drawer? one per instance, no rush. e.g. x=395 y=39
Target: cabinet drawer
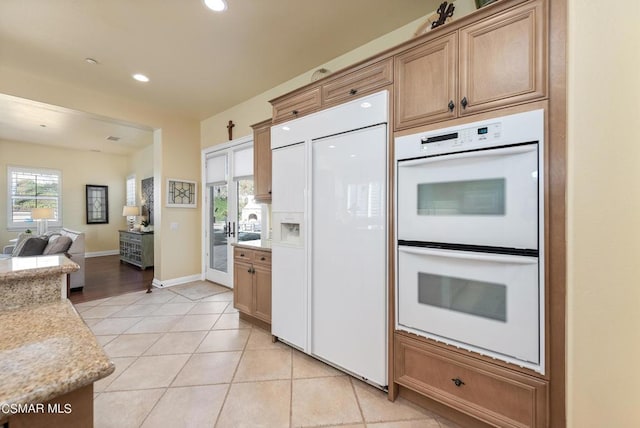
x=262 y=258
x=359 y=82
x=490 y=393
x=298 y=105
x=131 y=237
x=242 y=254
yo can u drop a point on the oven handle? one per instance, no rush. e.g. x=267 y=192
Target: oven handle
x=484 y=257
x=475 y=154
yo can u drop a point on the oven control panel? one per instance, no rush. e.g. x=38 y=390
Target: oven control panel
x=463 y=139
x=499 y=131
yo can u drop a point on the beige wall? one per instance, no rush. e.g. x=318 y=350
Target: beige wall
x=256 y=109
x=79 y=168
x=174 y=155
x=603 y=317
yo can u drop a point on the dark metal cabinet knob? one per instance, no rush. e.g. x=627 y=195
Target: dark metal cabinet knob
x=295 y=112
x=457 y=381
x=451 y=105
x=262 y=259
x=353 y=91
x=464 y=102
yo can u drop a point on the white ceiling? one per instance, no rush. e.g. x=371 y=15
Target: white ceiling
x=199 y=62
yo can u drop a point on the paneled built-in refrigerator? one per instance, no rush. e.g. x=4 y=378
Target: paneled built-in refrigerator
x=330 y=286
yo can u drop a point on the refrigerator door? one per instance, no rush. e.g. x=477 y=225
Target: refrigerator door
x=288 y=255
x=348 y=252
x=288 y=181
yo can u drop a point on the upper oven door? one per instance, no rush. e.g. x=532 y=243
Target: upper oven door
x=485 y=198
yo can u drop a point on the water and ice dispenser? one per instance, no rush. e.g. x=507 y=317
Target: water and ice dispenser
x=288 y=229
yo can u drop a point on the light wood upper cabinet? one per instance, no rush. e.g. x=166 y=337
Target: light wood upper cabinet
x=426 y=82
x=503 y=59
x=362 y=81
x=292 y=107
x=490 y=64
x=262 y=161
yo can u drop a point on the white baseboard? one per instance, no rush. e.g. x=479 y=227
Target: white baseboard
x=102 y=253
x=176 y=281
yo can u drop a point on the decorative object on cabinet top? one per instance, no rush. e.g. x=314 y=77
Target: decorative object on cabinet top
x=483 y=3
x=445 y=11
x=319 y=74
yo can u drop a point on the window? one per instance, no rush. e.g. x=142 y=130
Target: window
x=131 y=190
x=29 y=188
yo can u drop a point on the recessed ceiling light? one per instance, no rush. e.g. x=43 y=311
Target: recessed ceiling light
x=216 y=5
x=90 y=61
x=141 y=77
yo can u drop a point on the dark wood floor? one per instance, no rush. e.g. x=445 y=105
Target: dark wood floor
x=106 y=277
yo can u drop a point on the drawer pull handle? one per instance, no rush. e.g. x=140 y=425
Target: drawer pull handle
x=451 y=105
x=295 y=112
x=458 y=382
x=353 y=91
x=241 y=254
x=464 y=102
x=262 y=259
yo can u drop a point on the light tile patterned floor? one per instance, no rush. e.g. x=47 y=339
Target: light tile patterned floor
x=194 y=363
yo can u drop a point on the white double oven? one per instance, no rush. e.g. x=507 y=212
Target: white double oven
x=470 y=229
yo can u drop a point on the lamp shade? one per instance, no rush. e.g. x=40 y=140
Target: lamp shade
x=42 y=213
x=130 y=210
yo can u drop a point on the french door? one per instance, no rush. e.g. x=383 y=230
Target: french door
x=228 y=205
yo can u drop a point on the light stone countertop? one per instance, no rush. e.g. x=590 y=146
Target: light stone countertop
x=28 y=281
x=46 y=351
x=35 y=266
x=258 y=244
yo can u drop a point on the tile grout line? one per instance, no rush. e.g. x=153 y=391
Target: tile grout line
x=226 y=395
x=353 y=388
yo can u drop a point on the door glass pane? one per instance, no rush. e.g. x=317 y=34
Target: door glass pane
x=473 y=197
x=218 y=227
x=249 y=212
x=484 y=299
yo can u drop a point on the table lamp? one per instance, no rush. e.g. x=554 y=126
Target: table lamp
x=131 y=212
x=42 y=217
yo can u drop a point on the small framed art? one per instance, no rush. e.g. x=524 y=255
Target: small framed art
x=97 y=200
x=181 y=193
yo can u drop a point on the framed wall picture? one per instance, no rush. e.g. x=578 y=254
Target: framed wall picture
x=97 y=200
x=181 y=193
x=147 y=199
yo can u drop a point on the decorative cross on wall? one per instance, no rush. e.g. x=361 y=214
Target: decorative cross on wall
x=230 y=128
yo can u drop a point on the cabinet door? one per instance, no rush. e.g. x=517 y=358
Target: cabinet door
x=262 y=278
x=243 y=287
x=262 y=161
x=503 y=59
x=425 y=83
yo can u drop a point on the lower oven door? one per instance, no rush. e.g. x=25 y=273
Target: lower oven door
x=487 y=303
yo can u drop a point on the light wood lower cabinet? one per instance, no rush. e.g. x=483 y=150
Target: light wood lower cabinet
x=488 y=392
x=252 y=283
